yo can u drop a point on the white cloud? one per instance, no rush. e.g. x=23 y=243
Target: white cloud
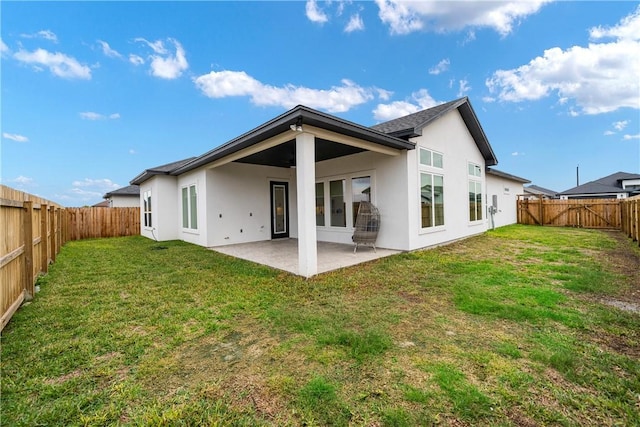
x=135 y=59
x=132 y=151
x=627 y=29
x=443 y=16
x=43 y=34
x=89 y=188
x=22 y=180
x=58 y=63
x=599 y=78
x=15 y=137
x=420 y=100
x=609 y=132
x=108 y=51
x=517 y=153
x=314 y=13
x=620 y=125
x=383 y=94
x=164 y=64
x=222 y=84
x=90 y=115
x=4 y=49
x=441 y=67
x=463 y=88
x=355 y=24
x=630 y=137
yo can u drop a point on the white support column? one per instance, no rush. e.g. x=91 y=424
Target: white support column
x=306 y=190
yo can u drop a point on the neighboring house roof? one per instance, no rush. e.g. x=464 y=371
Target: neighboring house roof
x=159 y=170
x=102 y=204
x=412 y=125
x=536 y=189
x=607 y=185
x=495 y=172
x=129 y=190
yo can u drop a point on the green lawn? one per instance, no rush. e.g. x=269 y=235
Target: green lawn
x=507 y=328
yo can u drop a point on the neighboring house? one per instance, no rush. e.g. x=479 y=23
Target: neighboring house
x=125 y=197
x=537 y=192
x=102 y=204
x=502 y=197
x=619 y=185
x=303 y=174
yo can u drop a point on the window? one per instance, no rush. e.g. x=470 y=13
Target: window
x=338 y=205
x=341 y=195
x=360 y=192
x=475 y=193
x=431 y=189
x=430 y=158
x=146 y=209
x=189 y=207
x=475 y=170
x=320 y=203
x=431 y=200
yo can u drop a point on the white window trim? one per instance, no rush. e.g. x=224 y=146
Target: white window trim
x=348 y=198
x=420 y=165
x=479 y=179
x=432 y=170
x=188 y=229
x=150 y=211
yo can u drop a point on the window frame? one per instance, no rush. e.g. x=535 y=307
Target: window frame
x=147 y=211
x=433 y=218
x=189 y=207
x=347 y=198
x=474 y=172
x=433 y=171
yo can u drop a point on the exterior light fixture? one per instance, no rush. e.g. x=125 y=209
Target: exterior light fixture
x=298 y=126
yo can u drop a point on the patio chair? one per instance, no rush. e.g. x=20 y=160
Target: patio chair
x=366 y=226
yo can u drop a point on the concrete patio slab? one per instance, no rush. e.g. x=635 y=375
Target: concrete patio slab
x=283 y=254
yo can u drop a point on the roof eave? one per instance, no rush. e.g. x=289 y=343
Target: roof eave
x=282 y=123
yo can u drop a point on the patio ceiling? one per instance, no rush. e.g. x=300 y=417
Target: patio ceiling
x=284 y=155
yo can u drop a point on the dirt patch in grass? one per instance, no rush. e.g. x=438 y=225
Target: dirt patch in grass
x=64 y=378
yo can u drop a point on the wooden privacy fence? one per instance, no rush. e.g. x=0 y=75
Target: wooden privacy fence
x=630 y=213
x=587 y=213
x=87 y=223
x=33 y=231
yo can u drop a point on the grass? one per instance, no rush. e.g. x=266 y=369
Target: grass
x=507 y=328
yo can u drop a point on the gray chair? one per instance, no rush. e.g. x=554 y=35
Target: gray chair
x=367 y=226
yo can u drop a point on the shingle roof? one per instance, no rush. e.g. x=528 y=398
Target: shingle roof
x=129 y=190
x=608 y=184
x=159 y=170
x=536 y=189
x=409 y=123
x=412 y=125
x=393 y=134
x=492 y=171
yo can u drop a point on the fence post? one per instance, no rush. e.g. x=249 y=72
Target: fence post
x=27 y=230
x=52 y=233
x=44 y=241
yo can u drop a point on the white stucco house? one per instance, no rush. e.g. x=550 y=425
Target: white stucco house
x=303 y=174
x=125 y=197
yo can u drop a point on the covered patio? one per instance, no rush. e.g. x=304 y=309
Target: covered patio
x=283 y=254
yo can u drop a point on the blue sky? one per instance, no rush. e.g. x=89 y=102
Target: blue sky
x=95 y=92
